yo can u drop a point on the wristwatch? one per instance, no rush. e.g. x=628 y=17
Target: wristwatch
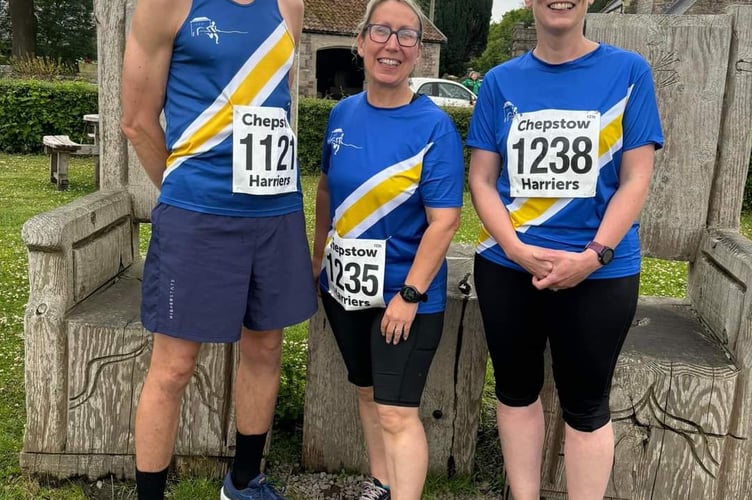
x=411 y=294
x=605 y=254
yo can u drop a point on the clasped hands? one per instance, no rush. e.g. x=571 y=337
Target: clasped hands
x=556 y=269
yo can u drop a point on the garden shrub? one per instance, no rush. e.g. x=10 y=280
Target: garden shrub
x=313 y=115
x=31 y=109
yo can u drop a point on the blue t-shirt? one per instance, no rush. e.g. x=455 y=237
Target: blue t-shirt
x=548 y=107
x=225 y=54
x=384 y=167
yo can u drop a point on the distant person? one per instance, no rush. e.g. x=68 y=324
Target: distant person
x=563 y=142
x=472 y=82
x=388 y=204
x=228 y=258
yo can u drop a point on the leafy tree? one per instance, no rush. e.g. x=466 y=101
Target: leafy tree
x=598 y=5
x=465 y=24
x=499 y=46
x=66 y=29
x=5 y=38
x=58 y=29
x=23 y=27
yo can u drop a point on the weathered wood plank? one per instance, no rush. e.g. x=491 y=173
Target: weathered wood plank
x=332 y=437
x=718 y=284
x=736 y=129
x=689 y=56
x=98 y=260
x=50 y=237
x=107 y=362
x=110 y=17
x=205 y=407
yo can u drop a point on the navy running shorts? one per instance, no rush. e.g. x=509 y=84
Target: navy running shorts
x=206 y=275
x=397 y=372
x=585 y=327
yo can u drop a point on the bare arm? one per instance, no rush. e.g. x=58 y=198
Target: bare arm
x=442 y=224
x=484 y=172
x=321 y=227
x=292 y=12
x=146 y=62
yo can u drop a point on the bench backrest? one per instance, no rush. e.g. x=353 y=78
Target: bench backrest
x=702 y=68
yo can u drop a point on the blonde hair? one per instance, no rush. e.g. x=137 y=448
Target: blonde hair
x=372 y=4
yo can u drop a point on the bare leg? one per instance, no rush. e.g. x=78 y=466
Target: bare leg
x=170 y=370
x=406 y=451
x=369 y=420
x=589 y=457
x=521 y=430
x=257 y=380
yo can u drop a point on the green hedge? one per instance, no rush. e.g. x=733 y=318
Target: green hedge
x=313 y=115
x=30 y=109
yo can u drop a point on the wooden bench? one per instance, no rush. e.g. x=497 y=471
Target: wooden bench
x=60 y=148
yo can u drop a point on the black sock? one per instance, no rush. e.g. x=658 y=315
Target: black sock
x=151 y=485
x=248 y=453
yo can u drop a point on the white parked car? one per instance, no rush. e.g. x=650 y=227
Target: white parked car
x=443 y=92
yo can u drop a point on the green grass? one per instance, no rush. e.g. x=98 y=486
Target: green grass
x=25 y=191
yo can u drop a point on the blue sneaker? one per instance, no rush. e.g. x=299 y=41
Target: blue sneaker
x=257 y=489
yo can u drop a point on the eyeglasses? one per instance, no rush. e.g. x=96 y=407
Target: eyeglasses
x=406 y=37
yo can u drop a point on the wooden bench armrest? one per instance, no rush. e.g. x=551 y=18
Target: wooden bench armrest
x=78 y=220
x=77 y=248
x=718 y=286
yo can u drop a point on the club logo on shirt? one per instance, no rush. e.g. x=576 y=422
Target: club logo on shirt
x=205 y=26
x=510 y=111
x=337 y=140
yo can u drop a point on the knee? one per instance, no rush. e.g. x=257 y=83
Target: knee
x=172 y=377
x=396 y=419
x=261 y=347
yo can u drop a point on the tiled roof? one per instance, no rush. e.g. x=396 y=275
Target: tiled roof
x=341 y=17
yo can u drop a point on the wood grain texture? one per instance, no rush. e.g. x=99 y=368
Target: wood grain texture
x=736 y=130
x=111 y=31
x=689 y=57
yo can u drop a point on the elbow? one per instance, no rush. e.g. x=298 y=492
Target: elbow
x=135 y=126
x=131 y=128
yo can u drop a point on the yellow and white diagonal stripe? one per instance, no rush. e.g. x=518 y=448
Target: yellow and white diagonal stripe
x=530 y=212
x=250 y=86
x=378 y=196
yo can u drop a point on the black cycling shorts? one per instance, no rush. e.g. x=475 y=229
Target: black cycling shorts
x=585 y=327
x=396 y=372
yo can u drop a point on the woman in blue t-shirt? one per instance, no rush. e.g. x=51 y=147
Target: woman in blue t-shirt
x=563 y=141
x=387 y=207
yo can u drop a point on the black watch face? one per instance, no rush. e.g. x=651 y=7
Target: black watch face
x=410 y=294
x=607 y=256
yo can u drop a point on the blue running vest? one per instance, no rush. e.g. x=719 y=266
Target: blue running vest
x=225 y=54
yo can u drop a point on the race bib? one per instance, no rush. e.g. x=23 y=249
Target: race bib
x=355 y=269
x=264 y=157
x=553 y=153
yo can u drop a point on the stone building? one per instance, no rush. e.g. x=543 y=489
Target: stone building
x=329 y=65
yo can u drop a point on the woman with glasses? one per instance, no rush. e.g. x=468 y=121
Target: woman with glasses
x=563 y=142
x=388 y=204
